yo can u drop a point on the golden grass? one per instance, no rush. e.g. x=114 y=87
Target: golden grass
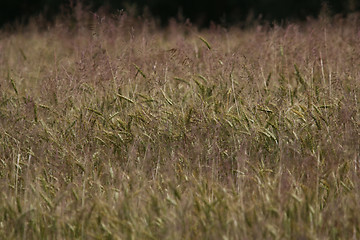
x=119 y=130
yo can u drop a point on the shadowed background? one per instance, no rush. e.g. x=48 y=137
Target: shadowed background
x=201 y=12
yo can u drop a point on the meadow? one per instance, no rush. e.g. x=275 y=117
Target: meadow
x=113 y=128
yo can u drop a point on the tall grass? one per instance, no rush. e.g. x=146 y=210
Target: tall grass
x=114 y=129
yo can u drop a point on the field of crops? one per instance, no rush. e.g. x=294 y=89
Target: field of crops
x=111 y=128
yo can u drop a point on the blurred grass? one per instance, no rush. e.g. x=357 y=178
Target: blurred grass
x=114 y=129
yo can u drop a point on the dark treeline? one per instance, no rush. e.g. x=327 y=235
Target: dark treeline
x=198 y=11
